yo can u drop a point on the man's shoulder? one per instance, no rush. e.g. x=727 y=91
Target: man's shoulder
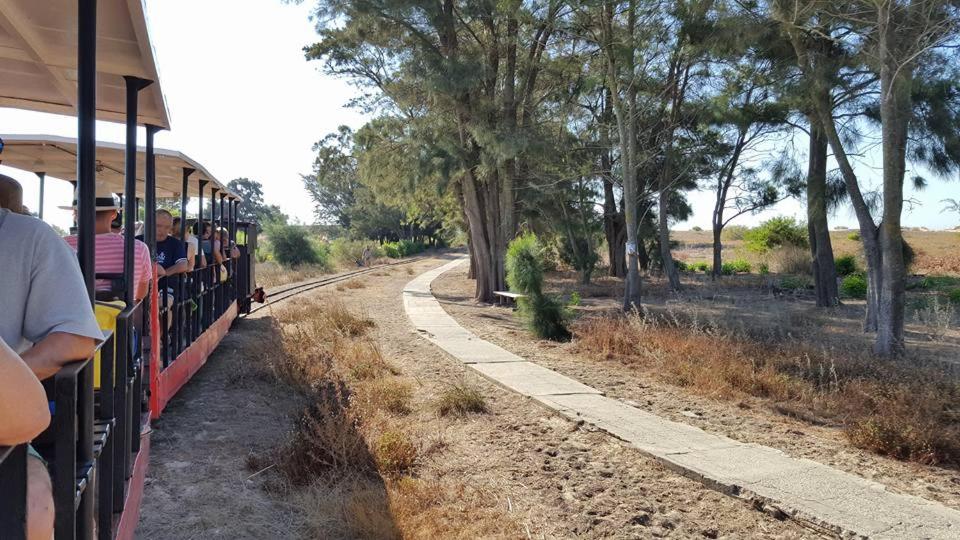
x=29 y=227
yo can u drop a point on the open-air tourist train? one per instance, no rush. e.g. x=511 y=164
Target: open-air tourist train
x=93 y=60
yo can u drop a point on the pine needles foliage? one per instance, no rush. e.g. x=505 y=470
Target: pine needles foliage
x=545 y=316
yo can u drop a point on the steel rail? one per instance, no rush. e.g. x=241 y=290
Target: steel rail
x=301 y=288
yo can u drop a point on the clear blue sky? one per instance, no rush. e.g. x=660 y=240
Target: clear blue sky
x=244 y=102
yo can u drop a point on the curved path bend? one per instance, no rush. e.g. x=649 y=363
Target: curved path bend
x=818 y=495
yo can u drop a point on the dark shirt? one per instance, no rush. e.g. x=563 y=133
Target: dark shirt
x=169 y=252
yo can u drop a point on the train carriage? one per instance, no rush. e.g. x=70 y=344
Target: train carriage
x=93 y=60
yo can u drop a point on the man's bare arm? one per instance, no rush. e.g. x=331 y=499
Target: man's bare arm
x=23 y=404
x=55 y=351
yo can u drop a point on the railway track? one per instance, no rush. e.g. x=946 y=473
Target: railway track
x=300 y=288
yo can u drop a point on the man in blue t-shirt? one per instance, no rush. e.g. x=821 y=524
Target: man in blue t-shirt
x=171 y=256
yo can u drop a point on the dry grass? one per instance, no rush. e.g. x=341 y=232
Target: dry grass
x=908 y=412
x=350 y=459
x=460 y=399
x=355 y=284
x=270 y=274
x=391 y=395
x=395 y=453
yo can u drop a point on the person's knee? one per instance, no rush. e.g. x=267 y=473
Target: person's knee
x=40 y=511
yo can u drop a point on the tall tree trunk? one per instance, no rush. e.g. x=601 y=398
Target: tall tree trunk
x=483 y=225
x=821 y=250
x=895 y=102
x=666 y=254
x=717 y=249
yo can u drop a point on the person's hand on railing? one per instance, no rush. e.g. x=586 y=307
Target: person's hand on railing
x=24 y=412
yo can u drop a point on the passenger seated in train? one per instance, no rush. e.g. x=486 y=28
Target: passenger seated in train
x=24 y=414
x=110 y=248
x=191 y=243
x=11 y=194
x=46 y=318
x=171 y=259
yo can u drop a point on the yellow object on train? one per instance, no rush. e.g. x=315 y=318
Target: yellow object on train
x=107 y=313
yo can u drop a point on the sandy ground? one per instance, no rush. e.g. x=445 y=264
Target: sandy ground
x=198 y=485
x=748 y=421
x=558 y=479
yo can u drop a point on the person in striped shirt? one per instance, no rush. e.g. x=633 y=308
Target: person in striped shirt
x=109 y=249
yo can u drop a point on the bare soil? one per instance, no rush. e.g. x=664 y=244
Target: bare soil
x=557 y=479
x=748 y=421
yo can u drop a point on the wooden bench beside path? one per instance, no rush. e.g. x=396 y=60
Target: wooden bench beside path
x=509 y=298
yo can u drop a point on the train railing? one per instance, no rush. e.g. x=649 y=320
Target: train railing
x=13 y=492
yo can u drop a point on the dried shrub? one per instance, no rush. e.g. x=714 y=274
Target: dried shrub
x=904 y=411
x=791 y=260
x=355 y=284
x=325 y=439
x=461 y=399
x=395 y=452
x=390 y=395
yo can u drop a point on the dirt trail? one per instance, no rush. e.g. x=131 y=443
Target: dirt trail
x=556 y=478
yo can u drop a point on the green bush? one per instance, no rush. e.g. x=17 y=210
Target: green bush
x=776 y=232
x=764 y=269
x=681 y=266
x=855 y=236
x=291 y=246
x=741 y=266
x=348 y=252
x=954 y=296
x=697 y=229
x=701 y=266
x=846 y=265
x=796 y=282
x=545 y=317
x=734 y=232
x=854 y=286
x=575 y=299
x=403 y=248
x=726 y=269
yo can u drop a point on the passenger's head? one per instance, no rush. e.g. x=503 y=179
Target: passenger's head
x=11 y=194
x=175 y=228
x=164 y=224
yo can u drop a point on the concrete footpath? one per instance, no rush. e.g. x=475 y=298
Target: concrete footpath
x=823 y=497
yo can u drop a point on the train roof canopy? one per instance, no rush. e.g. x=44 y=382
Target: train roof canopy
x=57 y=157
x=38 y=58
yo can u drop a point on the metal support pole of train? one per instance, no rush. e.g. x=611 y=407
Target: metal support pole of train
x=150 y=200
x=233 y=242
x=215 y=274
x=82 y=523
x=201 y=282
x=134 y=85
x=42 y=176
x=223 y=253
x=182 y=319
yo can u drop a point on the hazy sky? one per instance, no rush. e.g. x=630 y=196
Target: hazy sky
x=244 y=102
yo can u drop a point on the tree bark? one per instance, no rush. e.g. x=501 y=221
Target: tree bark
x=717 y=248
x=895 y=104
x=821 y=250
x=666 y=254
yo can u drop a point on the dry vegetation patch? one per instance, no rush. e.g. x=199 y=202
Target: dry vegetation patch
x=909 y=412
x=461 y=399
x=351 y=460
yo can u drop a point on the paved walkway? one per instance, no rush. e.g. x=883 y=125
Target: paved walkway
x=806 y=490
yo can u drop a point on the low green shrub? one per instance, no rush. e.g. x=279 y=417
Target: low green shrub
x=701 y=266
x=545 y=317
x=291 y=246
x=764 y=269
x=697 y=229
x=403 y=248
x=854 y=286
x=681 y=266
x=846 y=265
x=741 y=266
x=954 y=296
x=726 y=269
x=796 y=282
x=855 y=236
x=575 y=299
x=776 y=232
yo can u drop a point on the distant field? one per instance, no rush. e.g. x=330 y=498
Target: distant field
x=938 y=252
